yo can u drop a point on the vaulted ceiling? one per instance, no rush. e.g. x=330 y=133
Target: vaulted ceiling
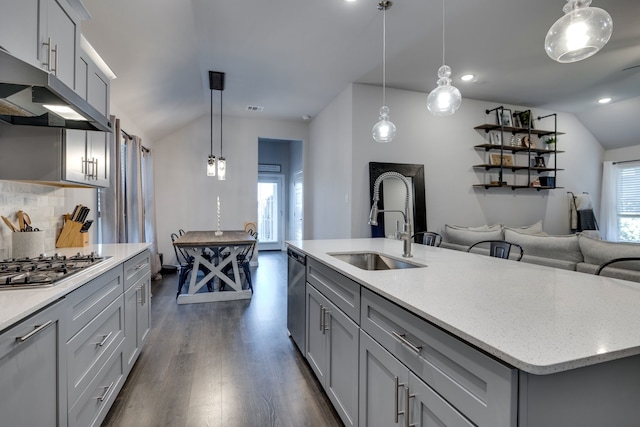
x=292 y=57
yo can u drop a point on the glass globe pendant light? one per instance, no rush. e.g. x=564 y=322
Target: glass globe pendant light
x=384 y=130
x=211 y=161
x=445 y=99
x=222 y=162
x=579 y=34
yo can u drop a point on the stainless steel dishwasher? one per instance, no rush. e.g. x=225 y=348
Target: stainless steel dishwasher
x=296 y=290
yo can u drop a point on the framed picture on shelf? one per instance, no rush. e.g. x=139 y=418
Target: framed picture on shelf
x=504 y=119
x=539 y=162
x=504 y=160
x=523 y=119
x=495 y=138
x=516 y=120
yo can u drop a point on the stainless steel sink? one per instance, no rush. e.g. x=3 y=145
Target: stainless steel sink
x=374 y=261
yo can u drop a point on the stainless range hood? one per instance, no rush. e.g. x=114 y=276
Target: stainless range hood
x=25 y=90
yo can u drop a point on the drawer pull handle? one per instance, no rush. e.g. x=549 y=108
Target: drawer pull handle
x=106 y=392
x=403 y=340
x=105 y=338
x=37 y=329
x=140 y=266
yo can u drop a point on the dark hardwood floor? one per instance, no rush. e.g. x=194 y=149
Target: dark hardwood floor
x=223 y=363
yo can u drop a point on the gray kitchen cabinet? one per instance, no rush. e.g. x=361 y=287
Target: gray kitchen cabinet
x=476 y=385
x=44 y=33
x=391 y=394
x=59 y=40
x=95 y=319
x=332 y=352
x=33 y=370
x=51 y=156
x=19 y=28
x=137 y=305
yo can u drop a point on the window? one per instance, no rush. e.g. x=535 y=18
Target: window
x=628 y=203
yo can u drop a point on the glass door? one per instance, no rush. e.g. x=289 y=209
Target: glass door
x=270 y=212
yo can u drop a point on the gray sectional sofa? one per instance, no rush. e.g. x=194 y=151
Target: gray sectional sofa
x=582 y=252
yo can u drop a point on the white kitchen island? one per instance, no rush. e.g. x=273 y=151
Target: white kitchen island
x=572 y=340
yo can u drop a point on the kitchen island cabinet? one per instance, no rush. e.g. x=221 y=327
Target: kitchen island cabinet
x=490 y=342
x=332 y=339
x=33 y=370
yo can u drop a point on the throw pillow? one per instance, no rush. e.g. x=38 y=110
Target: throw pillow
x=467 y=236
x=528 y=229
x=599 y=251
x=564 y=248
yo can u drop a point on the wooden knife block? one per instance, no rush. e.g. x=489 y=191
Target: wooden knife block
x=70 y=236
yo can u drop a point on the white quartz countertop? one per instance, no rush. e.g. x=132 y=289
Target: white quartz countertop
x=538 y=319
x=17 y=304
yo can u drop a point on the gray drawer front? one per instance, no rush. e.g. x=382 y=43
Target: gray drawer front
x=481 y=388
x=136 y=267
x=93 y=405
x=89 y=300
x=89 y=348
x=339 y=289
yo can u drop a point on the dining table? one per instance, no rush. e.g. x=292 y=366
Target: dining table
x=207 y=248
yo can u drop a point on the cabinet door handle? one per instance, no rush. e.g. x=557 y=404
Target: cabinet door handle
x=142 y=295
x=396 y=405
x=48 y=63
x=38 y=328
x=408 y=396
x=324 y=321
x=55 y=70
x=321 y=318
x=106 y=392
x=105 y=338
x=403 y=340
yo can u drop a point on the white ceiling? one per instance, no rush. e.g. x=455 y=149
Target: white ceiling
x=292 y=57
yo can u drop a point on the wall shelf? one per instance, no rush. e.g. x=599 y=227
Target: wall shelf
x=512 y=162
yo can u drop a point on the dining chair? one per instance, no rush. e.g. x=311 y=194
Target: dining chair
x=185 y=264
x=613 y=261
x=499 y=248
x=428 y=238
x=244 y=262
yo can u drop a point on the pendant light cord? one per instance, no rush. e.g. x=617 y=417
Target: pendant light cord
x=220 y=123
x=384 y=54
x=443 y=63
x=211 y=125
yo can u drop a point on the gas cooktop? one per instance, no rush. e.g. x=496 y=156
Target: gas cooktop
x=43 y=271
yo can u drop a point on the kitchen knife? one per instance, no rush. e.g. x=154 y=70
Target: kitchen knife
x=85 y=226
x=83 y=214
x=74 y=213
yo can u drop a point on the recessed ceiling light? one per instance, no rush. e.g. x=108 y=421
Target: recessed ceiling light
x=604 y=100
x=468 y=77
x=349 y=1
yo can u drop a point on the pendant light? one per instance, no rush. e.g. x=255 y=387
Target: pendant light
x=445 y=99
x=222 y=162
x=384 y=130
x=579 y=34
x=211 y=161
x=216 y=82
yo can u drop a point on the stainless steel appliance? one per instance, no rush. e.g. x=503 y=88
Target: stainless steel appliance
x=296 y=304
x=43 y=271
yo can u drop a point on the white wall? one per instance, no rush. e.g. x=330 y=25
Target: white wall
x=621 y=154
x=445 y=146
x=186 y=196
x=329 y=171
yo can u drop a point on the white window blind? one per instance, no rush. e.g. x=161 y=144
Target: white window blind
x=628 y=203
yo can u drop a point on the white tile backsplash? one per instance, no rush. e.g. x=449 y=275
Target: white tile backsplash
x=44 y=204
